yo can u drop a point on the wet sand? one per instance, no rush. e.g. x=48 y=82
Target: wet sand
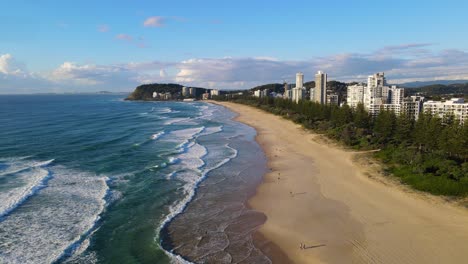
x=316 y=194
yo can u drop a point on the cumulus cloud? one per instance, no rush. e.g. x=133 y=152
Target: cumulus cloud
x=8 y=65
x=154 y=21
x=241 y=73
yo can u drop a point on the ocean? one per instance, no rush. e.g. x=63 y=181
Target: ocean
x=96 y=179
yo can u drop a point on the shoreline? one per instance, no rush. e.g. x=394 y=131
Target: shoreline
x=318 y=194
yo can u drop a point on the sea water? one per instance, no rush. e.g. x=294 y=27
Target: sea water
x=96 y=179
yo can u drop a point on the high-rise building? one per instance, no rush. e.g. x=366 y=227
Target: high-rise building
x=412 y=106
x=297 y=94
x=377 y=80
x=262 y=93
x=299 y=80
x=355 y=95
x=320 y=91
x=455 y=107
x=378 y=95
x=214 y=92
x=185 y=91
x=299 y=91
x=287 y=91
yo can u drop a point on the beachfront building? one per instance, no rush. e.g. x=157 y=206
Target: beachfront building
x=185 y=91
x=298 y=92
x=378 y=95
x=413 y=106
x=320 y=91
x=205 y=96
x=214 y=92
x=261 y=93
x=455 y=107
x=192 y=91
x=355 y=95
x=167 y=96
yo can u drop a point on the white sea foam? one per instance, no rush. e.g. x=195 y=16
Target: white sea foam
x=24 y=180
x=170 y=175
x=56 y=221
x=157 y=135
x=212 y=130
x=173 y=160
x=20 y=164
x=188 y=133
x=195 y=174
x=207 y=112
x=176 y=120
x=164 y=110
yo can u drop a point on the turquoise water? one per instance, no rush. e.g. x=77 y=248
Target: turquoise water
x=95 y=179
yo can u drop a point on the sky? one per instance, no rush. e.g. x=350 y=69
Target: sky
x=86 y=46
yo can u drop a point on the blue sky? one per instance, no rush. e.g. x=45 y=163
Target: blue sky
x=116 y=45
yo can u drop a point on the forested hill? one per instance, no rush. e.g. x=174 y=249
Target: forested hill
x=145 y=91
x=273 y=87
x=440 y=89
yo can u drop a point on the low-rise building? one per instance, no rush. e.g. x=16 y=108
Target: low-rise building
x=333 y=99
x=455 y=107
x=205 y=96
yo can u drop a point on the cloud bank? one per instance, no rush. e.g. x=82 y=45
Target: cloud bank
x=403 y=63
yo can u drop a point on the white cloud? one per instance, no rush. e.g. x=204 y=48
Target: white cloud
x=237 y=73
x=8 y=65
x=154 y=21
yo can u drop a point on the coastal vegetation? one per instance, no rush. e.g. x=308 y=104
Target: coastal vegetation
x=437 y=91
x=429 y=154
x=145 y=92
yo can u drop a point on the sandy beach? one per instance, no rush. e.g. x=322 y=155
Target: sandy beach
x=316 y=194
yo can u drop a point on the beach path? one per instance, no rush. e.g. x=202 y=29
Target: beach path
x=317 y=195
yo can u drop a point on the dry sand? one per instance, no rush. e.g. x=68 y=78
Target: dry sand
x=318 y=195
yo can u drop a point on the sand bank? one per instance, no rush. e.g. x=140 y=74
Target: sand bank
x=317 y=195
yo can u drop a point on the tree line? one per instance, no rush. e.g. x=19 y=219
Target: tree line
x=429 y=154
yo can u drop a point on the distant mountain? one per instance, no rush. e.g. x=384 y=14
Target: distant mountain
x=420 y=84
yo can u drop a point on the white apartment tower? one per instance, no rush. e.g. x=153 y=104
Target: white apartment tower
x=299 y=91
x=214 y=92
x=378 y=95
x=355 y=95
x=299 y=80
x=320 y=91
